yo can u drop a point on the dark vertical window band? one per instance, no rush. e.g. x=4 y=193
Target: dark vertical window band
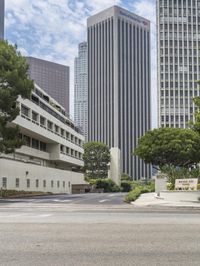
x=112 y=78
x=119 y=78
x=130 y=96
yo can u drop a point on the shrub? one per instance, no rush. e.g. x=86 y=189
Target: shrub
x=126 y=185
x=106 y=184
x=134 y=194
x=125 y=177
x=21 y=193
x=198 y=186
x=170 y=186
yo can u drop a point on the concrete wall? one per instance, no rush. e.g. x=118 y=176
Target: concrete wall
x=176 y=196
x=115 y=165
x=15 y=169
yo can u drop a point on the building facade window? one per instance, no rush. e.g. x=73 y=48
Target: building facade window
x=28 y=183
x=17 y=182
x=24 y=110
x=4 y=182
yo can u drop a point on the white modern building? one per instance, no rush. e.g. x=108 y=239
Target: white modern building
x=81 y=89
x=178 y=42
x=51 y=158
x=119 y=110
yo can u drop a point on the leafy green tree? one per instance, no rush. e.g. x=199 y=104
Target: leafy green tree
x=170 y=146
x=196 y=124
x=96 y=158
x=14 y=81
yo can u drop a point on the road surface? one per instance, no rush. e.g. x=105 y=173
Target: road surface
x=96 y=229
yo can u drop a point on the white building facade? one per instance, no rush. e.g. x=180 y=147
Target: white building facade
x=178 y=42
x=81 y=89
x=51 y=158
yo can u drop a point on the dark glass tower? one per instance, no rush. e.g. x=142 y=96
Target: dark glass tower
x=119 y=109
x=2 y=7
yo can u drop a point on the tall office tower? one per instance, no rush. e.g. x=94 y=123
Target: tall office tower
x=52 y=78
x=2 y=7
x=81 y=89
x=119 y=83
x=178 y=29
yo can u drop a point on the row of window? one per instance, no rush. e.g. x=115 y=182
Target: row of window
x=45 y=123
x=178 y=93
x=37 y=183
x=178 y=27
x=175 y=76
x=177 y=35
x=174 y=12
x=70 y=152
x=176 y=118
x=175 y=51
x=176 y=3
x=164 y=109
x=180 y=43
x=172 y=125
x=178 y=60
x=34 y=143
x=180 y=85
x=49 y=110
x=176 y=68
x=39 y=145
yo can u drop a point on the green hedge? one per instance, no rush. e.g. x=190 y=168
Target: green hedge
x=106 y=184
x=126 y=185
x=138 y=190
x=21 y=193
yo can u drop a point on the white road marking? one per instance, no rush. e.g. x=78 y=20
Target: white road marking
x=57 y=200
x=45 y=215
x=111 y=195
x=101 y=201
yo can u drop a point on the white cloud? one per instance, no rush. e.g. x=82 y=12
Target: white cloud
x=52 y=29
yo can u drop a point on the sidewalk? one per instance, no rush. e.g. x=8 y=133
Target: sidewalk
x=150 y=199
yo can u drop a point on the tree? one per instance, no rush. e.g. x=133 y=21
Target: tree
x=14 y=81
x=170 y=146
x=96 y=158
x=196 y=124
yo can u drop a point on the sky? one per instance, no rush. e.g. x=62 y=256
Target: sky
x=52 y=30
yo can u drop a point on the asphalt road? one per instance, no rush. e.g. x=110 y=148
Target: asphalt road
x=90 y=198
x=96 y=229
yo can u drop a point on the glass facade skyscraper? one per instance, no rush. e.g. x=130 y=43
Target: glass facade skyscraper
x=178 y=43
x=81 y=89
x=2 y=7
x=119 y=95
x=52 y=78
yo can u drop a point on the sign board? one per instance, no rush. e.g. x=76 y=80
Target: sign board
x=186 y=184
